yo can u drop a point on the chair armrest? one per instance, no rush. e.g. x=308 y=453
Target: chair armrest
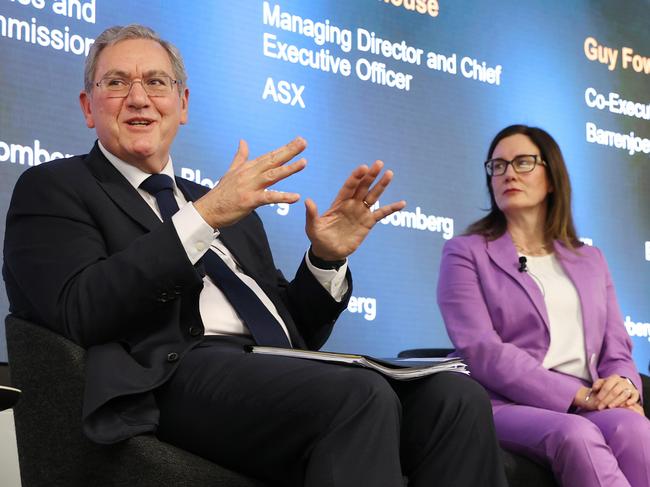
x=425 y=352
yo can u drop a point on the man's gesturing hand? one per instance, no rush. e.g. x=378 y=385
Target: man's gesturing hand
x=242 y=188
x=340 y=230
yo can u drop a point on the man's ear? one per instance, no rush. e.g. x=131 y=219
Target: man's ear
x=185 y=99
x=86 y=108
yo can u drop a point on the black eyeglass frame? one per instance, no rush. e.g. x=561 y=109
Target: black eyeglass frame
x=490 y=162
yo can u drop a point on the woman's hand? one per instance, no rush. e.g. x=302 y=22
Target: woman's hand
x=614 y=392
x=607 y=393
x=585 y=398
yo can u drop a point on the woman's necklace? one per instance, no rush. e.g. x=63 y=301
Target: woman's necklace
x=534 y=252
x=542 y=250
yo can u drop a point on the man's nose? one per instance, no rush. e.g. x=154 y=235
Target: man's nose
x=137 y=96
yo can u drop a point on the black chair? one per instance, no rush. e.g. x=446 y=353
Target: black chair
x=521 y=471
x=8 y=397
x=52 y=448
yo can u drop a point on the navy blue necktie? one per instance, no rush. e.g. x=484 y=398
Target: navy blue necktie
x=263 y=326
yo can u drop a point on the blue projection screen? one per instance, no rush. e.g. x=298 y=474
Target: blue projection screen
x=421 y=84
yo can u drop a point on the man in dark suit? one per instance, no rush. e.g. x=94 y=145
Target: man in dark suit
x=165 y=299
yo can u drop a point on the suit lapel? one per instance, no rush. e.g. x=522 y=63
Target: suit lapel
x=503 y=253
x=120 y=190
x=191 y=192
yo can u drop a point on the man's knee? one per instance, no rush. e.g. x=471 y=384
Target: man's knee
x=465 y=389
x=358 y=391
x=456 y=391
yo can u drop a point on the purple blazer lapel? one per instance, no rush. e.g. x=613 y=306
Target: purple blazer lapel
x=503 y=253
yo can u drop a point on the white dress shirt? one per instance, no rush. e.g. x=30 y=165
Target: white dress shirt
x=197 y=237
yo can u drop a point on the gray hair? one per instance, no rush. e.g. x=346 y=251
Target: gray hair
x=118 y=33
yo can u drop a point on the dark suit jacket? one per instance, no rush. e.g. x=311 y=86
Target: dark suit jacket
x=86 y=256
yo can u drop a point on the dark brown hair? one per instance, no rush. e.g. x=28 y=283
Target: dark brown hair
x=559 y=220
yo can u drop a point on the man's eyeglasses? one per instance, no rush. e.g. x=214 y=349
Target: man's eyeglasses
x=117 y=87
x=521 y=164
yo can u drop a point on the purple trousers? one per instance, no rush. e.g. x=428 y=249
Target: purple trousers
x=608 y=448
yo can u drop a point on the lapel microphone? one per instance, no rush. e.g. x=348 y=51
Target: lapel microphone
x=522 y=264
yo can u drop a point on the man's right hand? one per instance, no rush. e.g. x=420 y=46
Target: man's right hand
x=242 y=188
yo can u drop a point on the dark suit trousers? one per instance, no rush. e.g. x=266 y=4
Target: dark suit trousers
x=293 y=422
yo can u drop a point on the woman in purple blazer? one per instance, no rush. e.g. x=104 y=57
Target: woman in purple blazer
x=534 y=313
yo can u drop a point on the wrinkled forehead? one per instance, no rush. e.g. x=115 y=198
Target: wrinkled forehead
x=131 y=58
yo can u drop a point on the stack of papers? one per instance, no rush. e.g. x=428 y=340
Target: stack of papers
x=395 y=368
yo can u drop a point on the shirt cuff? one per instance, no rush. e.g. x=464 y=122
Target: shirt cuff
x=195 y=234
x=332 y=280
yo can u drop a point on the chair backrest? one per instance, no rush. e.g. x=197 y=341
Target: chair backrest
x=49 y=370
x=52 y=448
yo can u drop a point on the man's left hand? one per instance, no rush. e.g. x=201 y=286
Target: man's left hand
x=339 y=231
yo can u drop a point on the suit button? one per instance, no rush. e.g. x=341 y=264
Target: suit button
x=172 y=357
x=195 y=331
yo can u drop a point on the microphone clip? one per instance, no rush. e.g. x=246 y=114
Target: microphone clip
x=523 y=267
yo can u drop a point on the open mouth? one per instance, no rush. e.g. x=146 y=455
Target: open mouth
x=140 y=122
